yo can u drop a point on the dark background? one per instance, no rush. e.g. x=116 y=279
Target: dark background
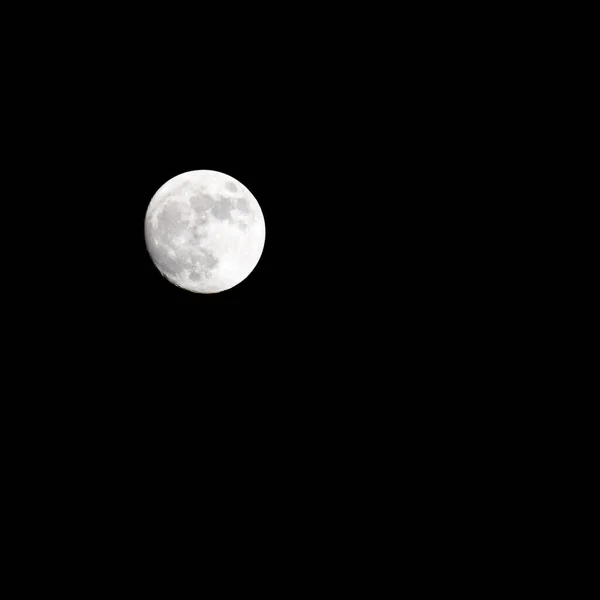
x=380 y=150
x=363 y=145
x=156 y=389
x=307 y=122
x=119 y=345
x=355 y=370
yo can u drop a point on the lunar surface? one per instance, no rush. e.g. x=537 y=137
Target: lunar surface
x=205 y=231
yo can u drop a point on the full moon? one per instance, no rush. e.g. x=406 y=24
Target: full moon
x=204 y=231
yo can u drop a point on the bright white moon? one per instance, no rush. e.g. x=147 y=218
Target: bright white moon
x=205 y=231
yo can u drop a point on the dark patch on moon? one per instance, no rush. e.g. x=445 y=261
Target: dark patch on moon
x=201 y=219
x=222 y=209
x=198 y=236
x=204 y=262
x=242 y=204
x=205 y=258
x=169 y=215
x=208 y=260
x=202 y=202
x=172 y=221
x=231 y=186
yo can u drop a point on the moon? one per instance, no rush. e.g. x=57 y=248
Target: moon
x=204 y=231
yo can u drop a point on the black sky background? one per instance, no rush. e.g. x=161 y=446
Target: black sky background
x=302 y=123
x=363 y=140
x=362 y=355
x=309 y=353
x=149 y=385
x=341 y=139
